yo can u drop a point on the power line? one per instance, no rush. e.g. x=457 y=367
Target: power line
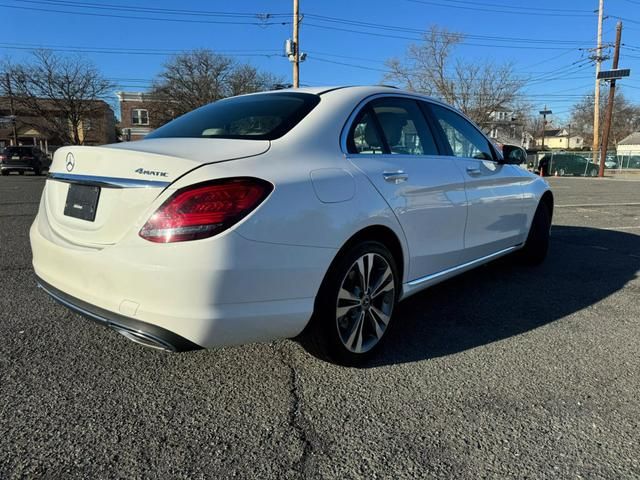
x=504 y=9
x=415 y=38
x=420 y=31
x=164 y=11
x=130 y=17
x=134 y=51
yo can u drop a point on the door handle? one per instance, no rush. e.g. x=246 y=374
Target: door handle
x=474 y=172
x=395 y=177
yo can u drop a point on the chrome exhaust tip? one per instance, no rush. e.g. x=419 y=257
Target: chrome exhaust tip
x=144 y=339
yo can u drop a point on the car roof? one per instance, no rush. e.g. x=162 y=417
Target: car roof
x=353 y=90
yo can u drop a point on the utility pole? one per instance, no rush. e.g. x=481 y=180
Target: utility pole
x=612 y=92
x=11 y=110
x=544 y=114
x=596 y=100
x=296 y=44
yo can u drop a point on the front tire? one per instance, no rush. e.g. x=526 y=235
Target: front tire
x=354 y=306
x=537 y=245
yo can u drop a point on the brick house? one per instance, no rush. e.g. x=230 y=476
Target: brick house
x=135 y=122
x=97 y=129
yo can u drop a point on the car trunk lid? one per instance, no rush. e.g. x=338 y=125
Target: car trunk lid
x=95 y=195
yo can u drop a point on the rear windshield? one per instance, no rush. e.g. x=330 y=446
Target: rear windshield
x=253 y=117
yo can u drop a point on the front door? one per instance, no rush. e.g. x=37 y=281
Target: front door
x=496 y=212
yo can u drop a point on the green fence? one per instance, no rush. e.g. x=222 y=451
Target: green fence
x=581 y=163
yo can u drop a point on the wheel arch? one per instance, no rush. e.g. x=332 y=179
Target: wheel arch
x=548 y=201
x=375 y=233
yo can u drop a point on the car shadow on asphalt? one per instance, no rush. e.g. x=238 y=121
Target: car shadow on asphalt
x=504 y=298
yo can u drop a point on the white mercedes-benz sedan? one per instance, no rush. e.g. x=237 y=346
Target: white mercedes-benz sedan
x=310 y=211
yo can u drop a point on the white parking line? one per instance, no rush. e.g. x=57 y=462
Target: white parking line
x=588 y=205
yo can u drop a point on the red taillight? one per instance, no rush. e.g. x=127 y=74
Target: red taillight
x=205 y=209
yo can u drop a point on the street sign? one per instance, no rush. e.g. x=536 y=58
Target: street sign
x=545 y=112
x=616 y=74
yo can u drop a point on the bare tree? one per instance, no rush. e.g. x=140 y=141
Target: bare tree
x=193 y=79
x=59 y=96
x=478 y=89
x=625 y=119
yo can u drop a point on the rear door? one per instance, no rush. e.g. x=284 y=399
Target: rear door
x=393 y=145
x=496 y=211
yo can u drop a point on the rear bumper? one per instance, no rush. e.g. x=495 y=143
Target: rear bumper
x=135 y=330
x=16 y=167
x=226 y=290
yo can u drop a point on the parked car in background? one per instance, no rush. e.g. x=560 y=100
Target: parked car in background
x=567 y=164
x=312 y=211
x=23 y=159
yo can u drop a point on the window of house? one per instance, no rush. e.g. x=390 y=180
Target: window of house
x=139 y=116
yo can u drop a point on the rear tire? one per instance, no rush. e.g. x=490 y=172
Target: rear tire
x=354 y=307
x=537 y=245
x=5 y=173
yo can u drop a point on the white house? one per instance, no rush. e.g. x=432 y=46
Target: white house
x=629 y=145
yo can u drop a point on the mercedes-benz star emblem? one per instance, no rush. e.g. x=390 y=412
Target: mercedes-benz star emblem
x=71 y=161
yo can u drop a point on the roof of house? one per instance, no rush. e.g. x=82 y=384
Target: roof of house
x=553 y=133
x=633 y=139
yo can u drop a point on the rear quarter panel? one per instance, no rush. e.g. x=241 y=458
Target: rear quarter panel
x=295 y=213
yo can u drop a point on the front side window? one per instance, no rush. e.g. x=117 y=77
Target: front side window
x=139 y=116
x=253 y=117
x=465 y=139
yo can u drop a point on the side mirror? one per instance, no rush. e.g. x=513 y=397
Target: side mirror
x=513 y=155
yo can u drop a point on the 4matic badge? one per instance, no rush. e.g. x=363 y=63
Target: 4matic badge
x=155 y=173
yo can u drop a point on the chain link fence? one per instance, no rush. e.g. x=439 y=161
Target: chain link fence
x=582 y=163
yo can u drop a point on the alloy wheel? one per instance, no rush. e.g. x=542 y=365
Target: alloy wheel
x=365 y=303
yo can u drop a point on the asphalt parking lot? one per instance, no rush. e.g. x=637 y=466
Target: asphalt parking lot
x=504 y=372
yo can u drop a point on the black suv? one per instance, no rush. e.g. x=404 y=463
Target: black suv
x=22 y=159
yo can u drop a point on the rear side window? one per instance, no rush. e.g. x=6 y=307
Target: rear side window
x=404 y=127
x=254 y=117
x=365 y=136
x=393 y=126
x=465 y=139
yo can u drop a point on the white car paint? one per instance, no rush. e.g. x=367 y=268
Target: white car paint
x=259 y=279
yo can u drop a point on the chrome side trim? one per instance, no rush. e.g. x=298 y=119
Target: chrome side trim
x=463 y=266
x=107 y=182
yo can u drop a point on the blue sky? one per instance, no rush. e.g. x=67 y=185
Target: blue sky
x=134 y=49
